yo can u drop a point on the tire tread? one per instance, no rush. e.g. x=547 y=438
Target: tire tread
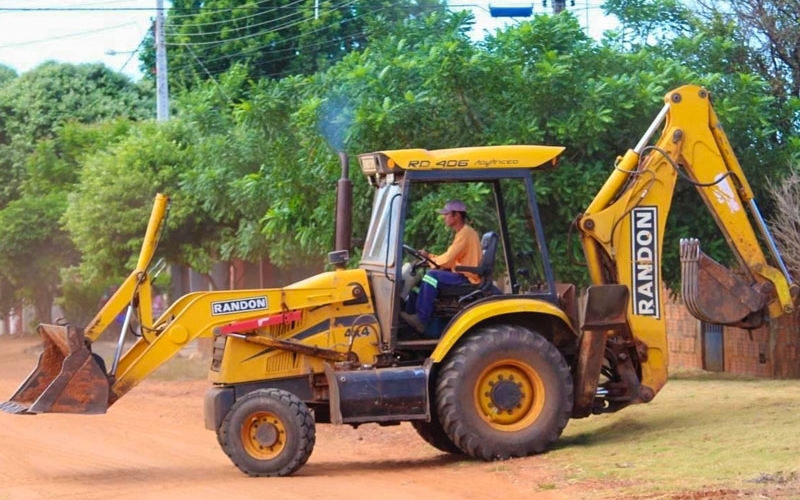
x=307 y=436
x=453 y=373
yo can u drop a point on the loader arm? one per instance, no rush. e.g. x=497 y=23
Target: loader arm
x=136 y=289
x=622 y=233
x=68 y=377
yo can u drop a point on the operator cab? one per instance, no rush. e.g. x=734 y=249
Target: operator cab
x=497 y=185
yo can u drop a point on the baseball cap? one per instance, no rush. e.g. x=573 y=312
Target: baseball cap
x=453 y=206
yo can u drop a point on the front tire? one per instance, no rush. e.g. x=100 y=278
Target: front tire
x=268 y=432
x=504 y=392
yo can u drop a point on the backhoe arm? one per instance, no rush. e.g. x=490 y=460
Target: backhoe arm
x=632 y=207
x=622 y=232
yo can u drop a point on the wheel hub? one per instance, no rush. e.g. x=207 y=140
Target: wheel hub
x=263 y=435
x=266 y=434
x=509 y=395
x=506 y=395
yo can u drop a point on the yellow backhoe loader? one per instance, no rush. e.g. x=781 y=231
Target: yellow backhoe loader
x=505 y=363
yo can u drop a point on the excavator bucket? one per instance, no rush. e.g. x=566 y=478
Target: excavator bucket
x=67 y=379
x=714 y=294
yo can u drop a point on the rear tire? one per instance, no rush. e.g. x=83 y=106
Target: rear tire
x=504 y=392
x=268 y=432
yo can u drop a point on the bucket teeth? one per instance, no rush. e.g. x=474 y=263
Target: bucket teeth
x=714 y=294
x=14 y=407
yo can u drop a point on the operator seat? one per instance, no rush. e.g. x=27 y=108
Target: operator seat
x=469 y=292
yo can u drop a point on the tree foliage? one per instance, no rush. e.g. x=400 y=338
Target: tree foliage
x=648 y=22
x=769 y=30
x=7 y=74
x=251 y=157
x=44 y=135
x=273 y=39
x=116 y=192
x=785 y=220
x=722 y=53
x=35 y=105
x=33 y=246
x=268 y=160
x=38 y=102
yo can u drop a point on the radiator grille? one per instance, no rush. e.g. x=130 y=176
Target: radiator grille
x=281 y=361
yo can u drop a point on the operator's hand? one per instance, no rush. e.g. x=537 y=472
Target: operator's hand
x=425 y=253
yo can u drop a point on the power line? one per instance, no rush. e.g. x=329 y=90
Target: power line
x=130 y=9
x=81 y=9
x=291 y=51
x=225 y=21
x=273 y=29
x=133 y=53
x=264 y=32
x=70 y=35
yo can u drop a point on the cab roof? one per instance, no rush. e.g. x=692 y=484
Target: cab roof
x=482 y=157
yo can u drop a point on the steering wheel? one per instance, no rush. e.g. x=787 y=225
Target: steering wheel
x=415 y=253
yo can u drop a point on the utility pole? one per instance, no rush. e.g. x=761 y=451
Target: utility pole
x=162 y=88
x=162 y=114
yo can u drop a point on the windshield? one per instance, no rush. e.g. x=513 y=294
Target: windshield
x=383 y=226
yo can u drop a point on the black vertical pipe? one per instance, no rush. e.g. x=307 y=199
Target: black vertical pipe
x=344 y=206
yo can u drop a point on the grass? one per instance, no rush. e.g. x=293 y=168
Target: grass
x=699 y=432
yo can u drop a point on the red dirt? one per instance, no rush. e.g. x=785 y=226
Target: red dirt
x=152 y=445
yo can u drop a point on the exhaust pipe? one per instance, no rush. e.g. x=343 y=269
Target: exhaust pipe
x=344 y=218
x=344 y=206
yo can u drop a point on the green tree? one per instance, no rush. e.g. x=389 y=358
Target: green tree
x=262 y=170
x=648 y=22
x=374 y=99
x=768 y=30
x=7 y=74
x=36 y=104
x=116 y=191
x=731 y=53
x=42 y=143
x=257 y=159
x=272 y=39
x=33 y=248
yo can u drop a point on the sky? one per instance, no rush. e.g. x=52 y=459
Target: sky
x=31 y=37
x=109 y=31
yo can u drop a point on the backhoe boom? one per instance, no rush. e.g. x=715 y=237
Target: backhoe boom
x=622 y=231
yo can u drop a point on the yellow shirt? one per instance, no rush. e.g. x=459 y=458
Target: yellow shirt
x=464 y=251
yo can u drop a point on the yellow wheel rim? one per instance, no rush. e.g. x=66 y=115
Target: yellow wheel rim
x=263 y=435
x=509 y=395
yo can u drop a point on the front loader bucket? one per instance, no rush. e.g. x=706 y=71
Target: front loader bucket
x=67 y=379
x=714 y=294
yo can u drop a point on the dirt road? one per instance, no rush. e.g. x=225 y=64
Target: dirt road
x=152 y=445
